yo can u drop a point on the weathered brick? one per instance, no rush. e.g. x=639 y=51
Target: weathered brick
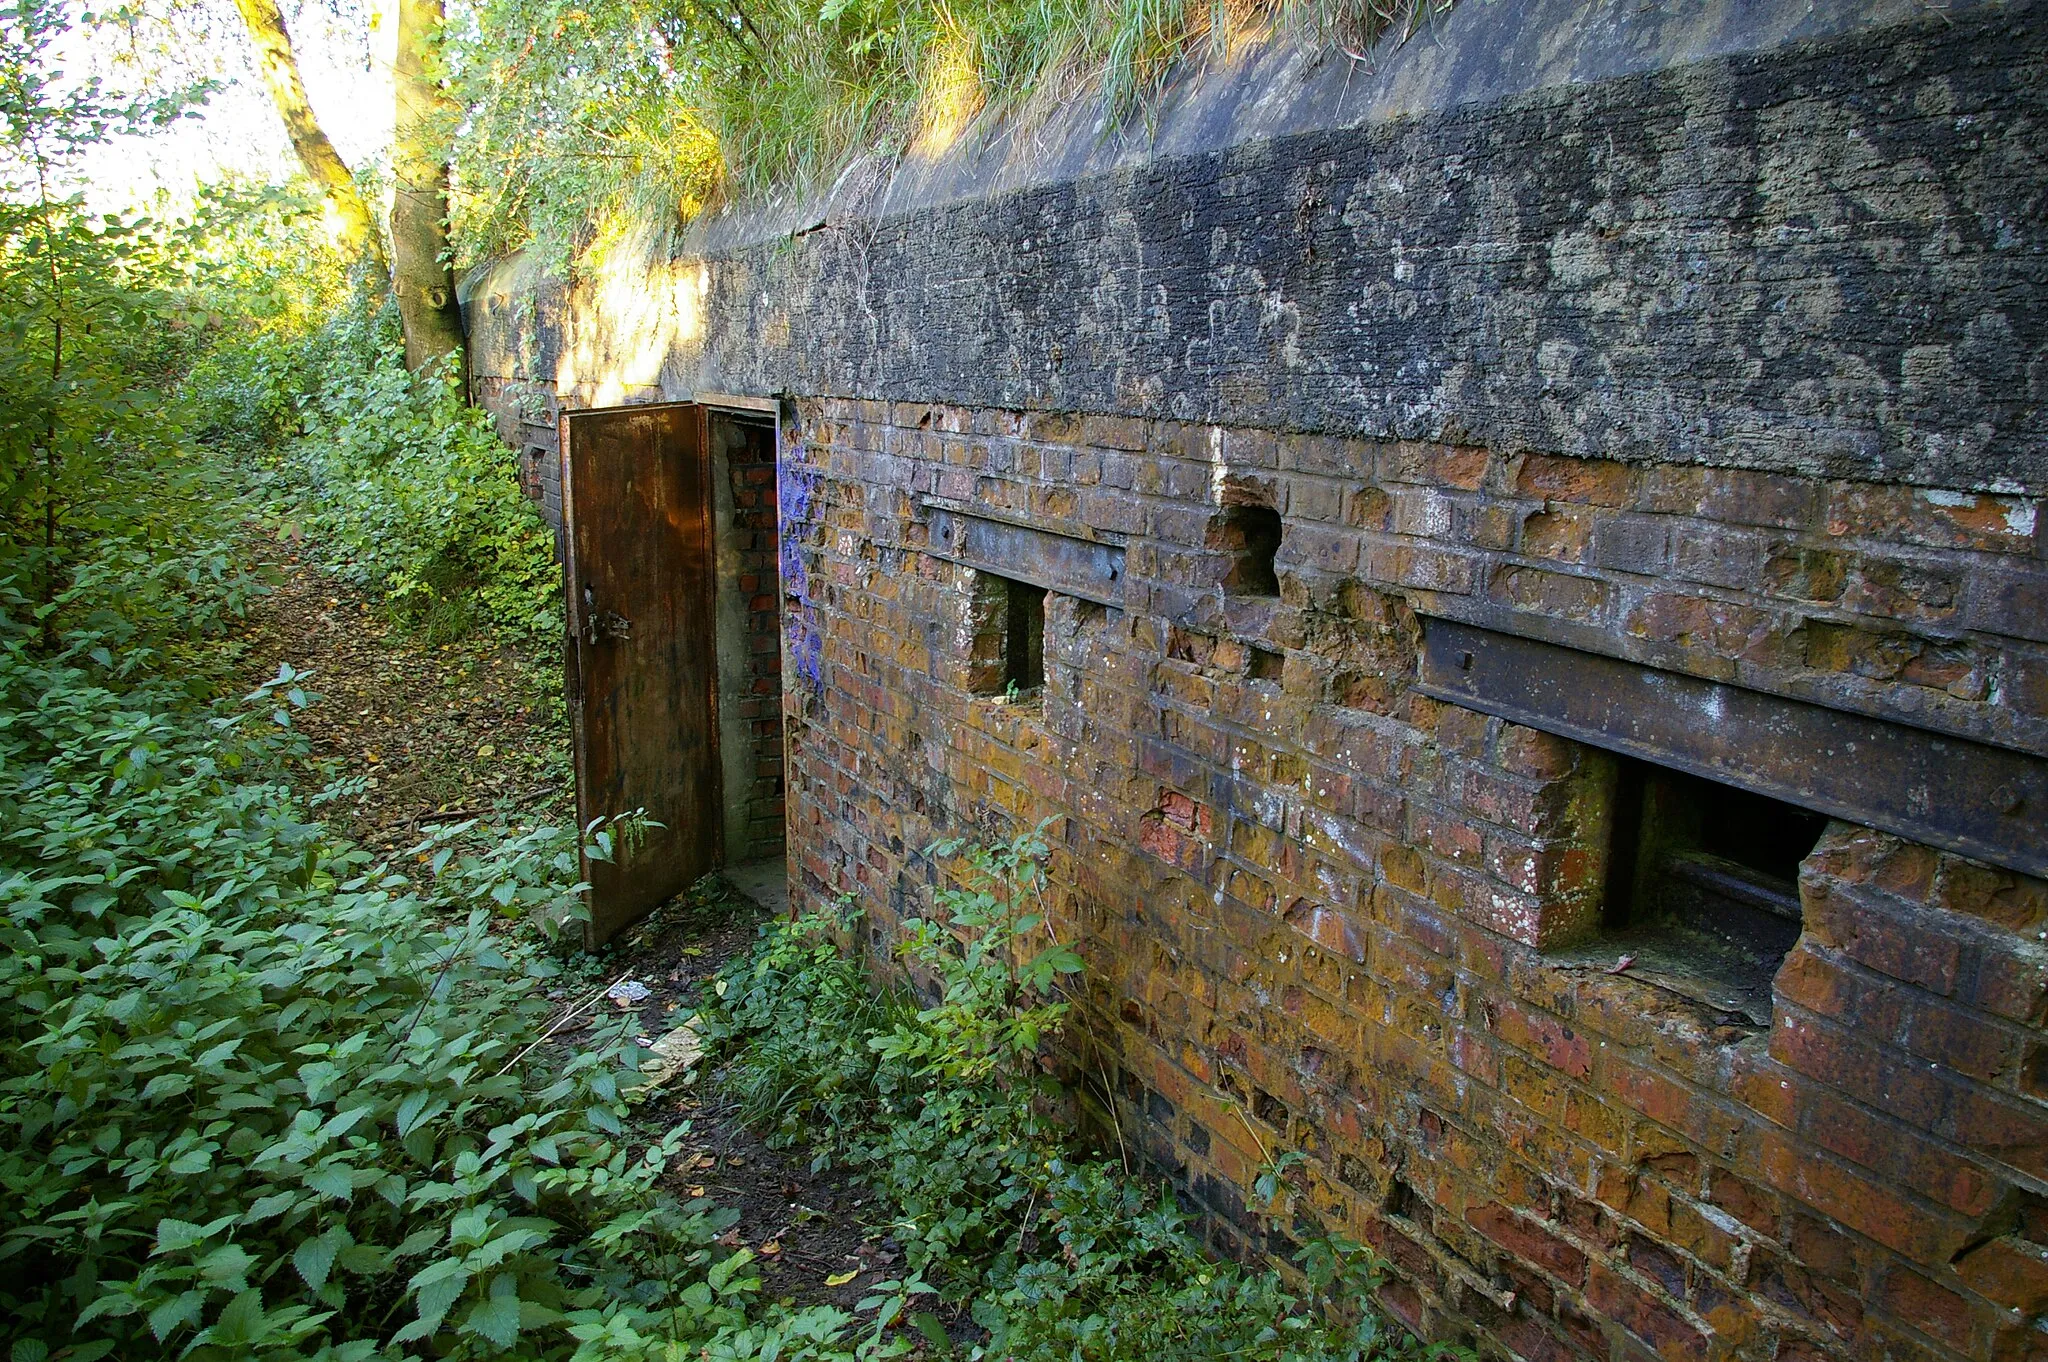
x=1888 y=941
x=2009 y=1272
x=1590 y=481
x=1655 y=1322
x=1637 y=544
x=1552 y=593
x=1717 y=555
x=2014 y=604
x=1927 y=1306
x=1529 y=1241
x=1561 y=533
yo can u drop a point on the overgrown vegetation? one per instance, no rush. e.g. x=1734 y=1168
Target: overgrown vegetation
x=259 y=1096
x=934 y=1092
x=584 y=116
x=414 y=496
x=402 y=488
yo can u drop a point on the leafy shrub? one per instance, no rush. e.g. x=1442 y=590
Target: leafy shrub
x=260 y=1097
x=939 y=1104
x=415 y=497
x=269 y=310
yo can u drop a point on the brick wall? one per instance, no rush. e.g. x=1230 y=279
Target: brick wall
x=747 y=566
x=525 y=414
x=1320 y=909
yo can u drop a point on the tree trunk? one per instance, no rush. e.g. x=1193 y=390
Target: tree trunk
x=355 y=228
x=424 y=271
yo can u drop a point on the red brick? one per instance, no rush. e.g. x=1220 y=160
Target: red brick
x=2009 y=1272
x=1529 y=1341
x=1531 y=752
x=1926 y=1306
x=1560 y=533
x=1327 y=928
x=1962 y=1041
x=1528 y=1241
x=1939 y=519
x=1807 y=1290
x=1550 y=593
x=1890 y=942
x=1733 y=495
x=1598 y=482
x=1648 y=1092
x=1658 y=1264
x=2012 y=1131
x=1561 y=1047
x=1744 y=1200
x=2018 y=903
x=1656 y=1323
x=1874 y=1207
x=1726 y=629
x=2009 y=985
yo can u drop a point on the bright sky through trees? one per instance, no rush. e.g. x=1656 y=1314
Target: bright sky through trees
x=344 y=49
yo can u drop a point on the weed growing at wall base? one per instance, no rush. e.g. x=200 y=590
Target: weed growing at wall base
x=934 y=1092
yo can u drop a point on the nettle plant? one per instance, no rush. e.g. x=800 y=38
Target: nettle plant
x=415 y=497
x=262 y=1097
x=936 y=1094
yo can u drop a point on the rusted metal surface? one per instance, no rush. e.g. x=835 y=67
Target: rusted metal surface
x=1057 y=562
x=1983 y=801
x=641 y=656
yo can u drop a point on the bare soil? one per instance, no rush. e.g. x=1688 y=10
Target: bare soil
x=438 y=732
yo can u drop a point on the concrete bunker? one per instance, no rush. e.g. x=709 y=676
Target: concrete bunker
x=1647 y=510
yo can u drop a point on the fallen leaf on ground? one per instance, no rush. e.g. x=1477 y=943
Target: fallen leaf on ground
x=842 y=1278
x=771 y=1248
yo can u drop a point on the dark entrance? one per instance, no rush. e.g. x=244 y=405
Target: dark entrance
x=640 y=657
x=673 y=658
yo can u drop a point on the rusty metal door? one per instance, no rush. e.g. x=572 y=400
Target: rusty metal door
x=641 y=655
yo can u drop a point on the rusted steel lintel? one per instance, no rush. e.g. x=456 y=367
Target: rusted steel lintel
x=1986 y=802
x=1057 y=562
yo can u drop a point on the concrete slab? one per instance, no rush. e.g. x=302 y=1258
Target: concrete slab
x=765 y=882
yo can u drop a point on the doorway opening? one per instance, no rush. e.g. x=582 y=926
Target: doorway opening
x=674 y=644
x=749 y=635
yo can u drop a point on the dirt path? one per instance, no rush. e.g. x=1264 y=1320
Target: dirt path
x=476 y=727
x=462 y=729
x=807 y=1228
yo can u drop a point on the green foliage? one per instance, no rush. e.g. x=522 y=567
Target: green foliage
x=585 y=115
x=934 y=1093
x=86 y=321
x=272 y=311
x=262 y=1097
x=406 y=490
x=415 y=497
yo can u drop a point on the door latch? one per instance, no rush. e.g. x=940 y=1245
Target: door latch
x=603 y=626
